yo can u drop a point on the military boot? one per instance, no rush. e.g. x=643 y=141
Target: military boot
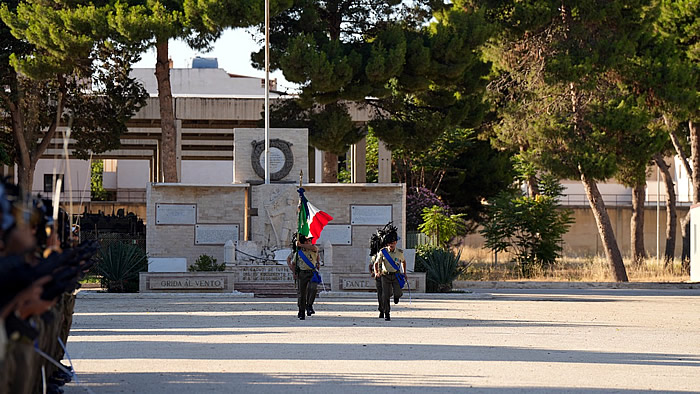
x=387 y=317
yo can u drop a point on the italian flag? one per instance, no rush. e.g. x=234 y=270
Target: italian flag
x=311 y=219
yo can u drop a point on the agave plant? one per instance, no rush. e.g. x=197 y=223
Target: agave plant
x=119 y=265
x=441 y=268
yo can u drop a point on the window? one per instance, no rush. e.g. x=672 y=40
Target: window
x=110 y=165
x=49 y=183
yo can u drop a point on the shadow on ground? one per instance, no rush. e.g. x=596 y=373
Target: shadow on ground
x=306 y=383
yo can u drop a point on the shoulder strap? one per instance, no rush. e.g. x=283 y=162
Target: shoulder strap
x=306 y=260
x=391 y=261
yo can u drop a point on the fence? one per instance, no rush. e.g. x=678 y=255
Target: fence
x=415 y=238
x=107 y=239
x=624 y=200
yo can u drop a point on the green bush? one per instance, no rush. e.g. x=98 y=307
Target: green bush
x=206 y=263
x=441 y=267
x=440 y=226
x=119 y=265
x=530 y=227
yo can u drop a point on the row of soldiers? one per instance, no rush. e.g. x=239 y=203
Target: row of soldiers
x=387 y=267
x=40 y=268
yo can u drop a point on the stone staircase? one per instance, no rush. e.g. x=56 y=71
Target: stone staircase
x=267 y=289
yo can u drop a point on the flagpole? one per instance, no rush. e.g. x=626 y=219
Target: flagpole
x=267 y=92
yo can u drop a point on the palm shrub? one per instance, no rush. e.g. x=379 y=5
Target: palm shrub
x=441 y=267
x=119 y=265
x=206 y=263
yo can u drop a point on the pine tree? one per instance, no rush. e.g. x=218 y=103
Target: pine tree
x=563 y=60
x=199 y=23
x=418 y=78
x=59 y=68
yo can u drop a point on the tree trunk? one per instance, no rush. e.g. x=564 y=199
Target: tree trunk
x=167 y=117
x=671 y=217
x=26 y=146
x=607 y=236
x=695 y=160
x=695 y=179
x=685 y=235
x=637 y=224
x=330 y=167
x=25 y=177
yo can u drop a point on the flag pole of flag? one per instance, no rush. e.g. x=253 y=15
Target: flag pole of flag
x=311 y=219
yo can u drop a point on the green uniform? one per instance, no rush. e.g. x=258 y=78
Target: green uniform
x=377 y=283
x=390 y=285
x=306 y=292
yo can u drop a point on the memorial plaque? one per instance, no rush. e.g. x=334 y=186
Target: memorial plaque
x=370 y=214
x=167 y=264
x=263 y=273
x=336 y=234
x=215 y=234
x=276 y=160
x=180 y=283
x=176 y=213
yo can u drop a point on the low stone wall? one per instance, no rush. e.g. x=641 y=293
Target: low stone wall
x=195 y=282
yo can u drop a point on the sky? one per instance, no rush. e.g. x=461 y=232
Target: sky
x=232 y=50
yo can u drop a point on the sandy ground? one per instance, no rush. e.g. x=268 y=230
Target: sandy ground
x=493 y=340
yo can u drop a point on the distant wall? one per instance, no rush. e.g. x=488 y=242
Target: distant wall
x=583 y=238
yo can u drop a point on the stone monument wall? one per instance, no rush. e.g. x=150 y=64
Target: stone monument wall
x=186 y=221
x=288 y=154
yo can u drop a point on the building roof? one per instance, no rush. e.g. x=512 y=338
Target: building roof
x=206 y=83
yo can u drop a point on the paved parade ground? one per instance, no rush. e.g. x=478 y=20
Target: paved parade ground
x=492 y=340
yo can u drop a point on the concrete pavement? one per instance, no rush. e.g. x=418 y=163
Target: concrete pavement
x=492 y=340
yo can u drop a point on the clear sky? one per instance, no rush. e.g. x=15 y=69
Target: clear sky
x=232 y=50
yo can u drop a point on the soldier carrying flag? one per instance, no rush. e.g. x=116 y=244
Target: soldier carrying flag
x=311 y=223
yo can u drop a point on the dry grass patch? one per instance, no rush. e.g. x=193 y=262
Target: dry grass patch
x=481 y=266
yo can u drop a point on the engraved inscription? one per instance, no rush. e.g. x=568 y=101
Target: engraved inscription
x=261 y=273
x=215 y=234
x=176 y=213
x=276 y=160
x=179 y=283
x=370 y=214
x=359 y=284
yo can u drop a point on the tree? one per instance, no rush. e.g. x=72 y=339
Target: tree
x=441 y=87
x=339 y=51
x=636 y=154
x=569 y=56
x=199 y=23
x=678 y=96
x=671 y=216
x=418 y=77
x=531 y=226
x=59 y=68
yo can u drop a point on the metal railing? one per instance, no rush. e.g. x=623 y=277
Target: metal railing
x=415 y=238
x=105 y=238
x=617 y=200
x=85 y=196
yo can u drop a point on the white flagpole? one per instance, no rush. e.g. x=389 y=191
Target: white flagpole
x=267 y=92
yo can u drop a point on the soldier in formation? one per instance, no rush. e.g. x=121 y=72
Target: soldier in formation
x=389 y=265
x=39 y=270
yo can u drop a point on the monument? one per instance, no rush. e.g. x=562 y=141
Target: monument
x=185 y=221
